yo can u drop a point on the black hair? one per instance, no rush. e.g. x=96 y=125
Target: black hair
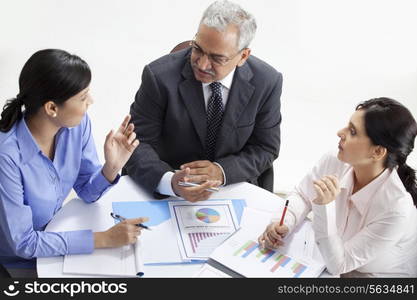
x=48 y=75
x=390 y=124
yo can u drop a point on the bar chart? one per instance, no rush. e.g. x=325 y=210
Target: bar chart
x=278 y=263
x=203 y=243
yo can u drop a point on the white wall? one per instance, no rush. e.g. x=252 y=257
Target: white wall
x=333 y=54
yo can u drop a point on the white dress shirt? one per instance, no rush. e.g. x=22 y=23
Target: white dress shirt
x=164 y=187
x=372 y=233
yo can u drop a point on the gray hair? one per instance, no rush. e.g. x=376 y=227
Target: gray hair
x=220 y=14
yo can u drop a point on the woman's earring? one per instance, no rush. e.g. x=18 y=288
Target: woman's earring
x=54 y=115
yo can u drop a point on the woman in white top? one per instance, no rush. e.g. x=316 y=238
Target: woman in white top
x=363 y=199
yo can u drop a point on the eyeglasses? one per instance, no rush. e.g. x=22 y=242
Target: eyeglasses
x=215 y=59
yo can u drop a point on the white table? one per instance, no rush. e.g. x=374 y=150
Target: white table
x=78 y=215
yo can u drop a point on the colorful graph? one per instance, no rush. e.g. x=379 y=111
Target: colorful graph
x=280 y=260
x=208 y=215
x=248 y=247
x=298 y=269
x=265 y=254
x=197 y=237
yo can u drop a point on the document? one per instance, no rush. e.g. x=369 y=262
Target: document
x=124 y=261
x=201 y=227
x=242 y=254
x=160 y=245
x=208 y=271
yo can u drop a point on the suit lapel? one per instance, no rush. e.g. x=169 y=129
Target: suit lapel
x=240 y=93
x=192 y=96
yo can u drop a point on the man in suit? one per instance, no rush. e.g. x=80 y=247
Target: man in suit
x=208 y=114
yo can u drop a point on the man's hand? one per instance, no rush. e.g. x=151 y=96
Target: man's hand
x=203 y=170
x=192 y=194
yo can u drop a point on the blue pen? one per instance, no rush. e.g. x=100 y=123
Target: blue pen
x=120 y=218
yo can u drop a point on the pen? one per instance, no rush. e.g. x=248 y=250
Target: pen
x=186 y=183
x=120 y=218
x=283 y=213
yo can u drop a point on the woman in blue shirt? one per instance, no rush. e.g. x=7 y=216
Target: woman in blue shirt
x=47 y=150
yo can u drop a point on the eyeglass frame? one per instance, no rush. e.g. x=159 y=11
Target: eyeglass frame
x=196 y=49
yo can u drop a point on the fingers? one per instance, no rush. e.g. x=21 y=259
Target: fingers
x=182 y=175
x=131 y=138
x=124 y=124
x=194 y=193
x=319 y=191
x=196 y=164
x=273 y=235
x=131 y=142
x=109 y=137
x=328 y=184
x=137 y=220
x=281 y=230
x=199 y=171
x=198 y=193
x=197 y=178
x=327 y=189
x=270 y=242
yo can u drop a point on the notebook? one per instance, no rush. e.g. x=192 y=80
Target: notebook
x=124 y=261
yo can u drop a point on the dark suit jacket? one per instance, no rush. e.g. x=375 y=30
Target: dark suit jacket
x=170 y=121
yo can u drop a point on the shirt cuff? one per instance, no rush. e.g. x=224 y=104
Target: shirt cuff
x=324 y=220
x=101 y=184
x=165 y=187
x=289 y=221
x=80 y=241
x=224 y=175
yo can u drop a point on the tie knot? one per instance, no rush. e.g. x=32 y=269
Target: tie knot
x=216 y=87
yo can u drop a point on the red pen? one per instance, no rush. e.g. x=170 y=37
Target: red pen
x=283 y=213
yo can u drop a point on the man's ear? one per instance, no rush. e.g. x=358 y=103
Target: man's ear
x=379 y=153
x=51 y=109
x=244 y=57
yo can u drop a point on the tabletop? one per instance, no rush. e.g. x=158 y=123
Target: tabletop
x=78 y=215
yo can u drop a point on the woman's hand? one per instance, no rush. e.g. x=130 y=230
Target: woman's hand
x=123 y=233
x=327 y=189
x=273 y=236
x=118 y=148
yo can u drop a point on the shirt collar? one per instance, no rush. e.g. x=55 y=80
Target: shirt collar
x=27 y=145
x=226 y=81
x=346 y=182
x=362 y=198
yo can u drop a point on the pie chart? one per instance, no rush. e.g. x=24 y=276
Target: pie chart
x=207 y=215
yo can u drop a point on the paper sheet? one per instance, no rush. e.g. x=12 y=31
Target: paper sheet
x=201 y=227
x=208 y=271
x=242 y=253
x=160 y=245
x=124 y=261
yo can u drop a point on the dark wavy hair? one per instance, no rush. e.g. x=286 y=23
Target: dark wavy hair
x=390 y=124
x=49 y=74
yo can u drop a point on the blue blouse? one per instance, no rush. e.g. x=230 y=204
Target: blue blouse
x=33 y=188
